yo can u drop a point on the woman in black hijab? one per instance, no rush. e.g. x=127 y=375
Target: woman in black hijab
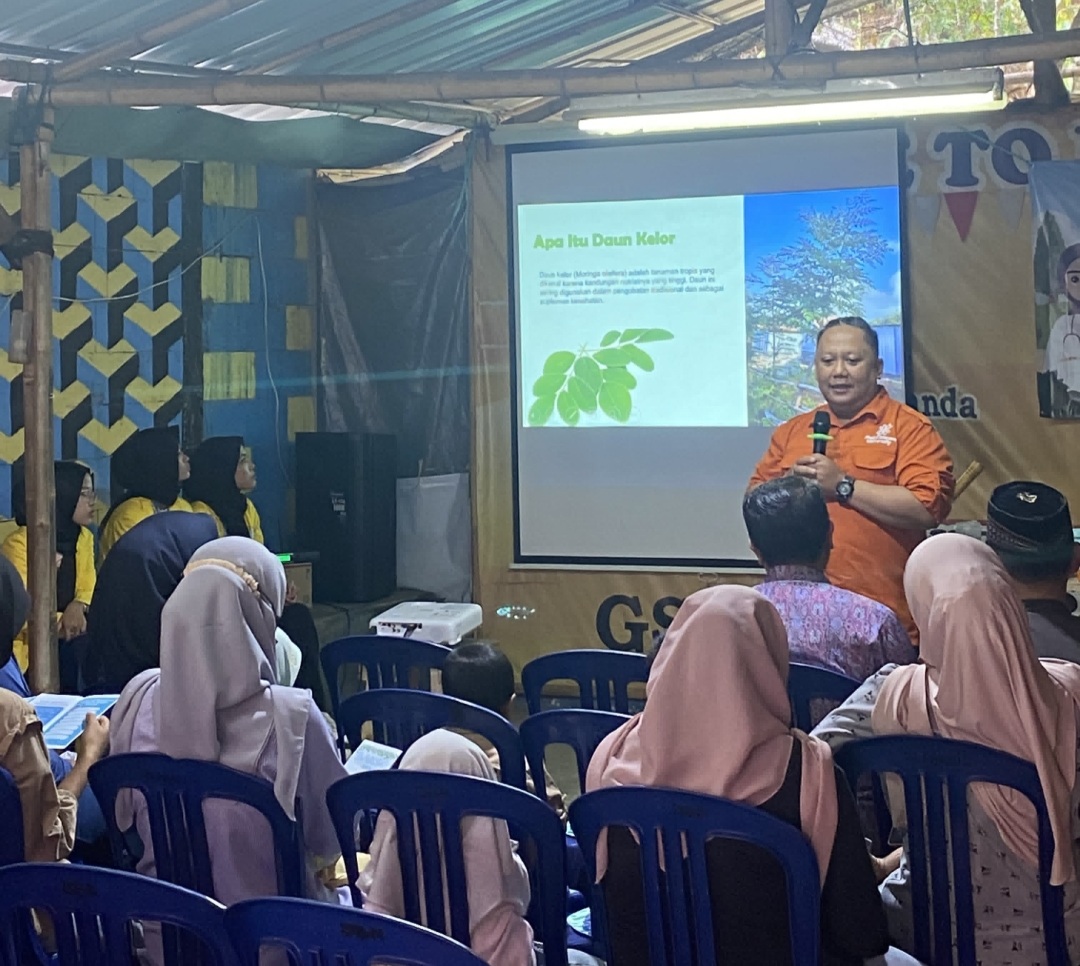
x=76 y=574
x=222 y=474
x=14 y=606
x=135 y=581
x=147 y=469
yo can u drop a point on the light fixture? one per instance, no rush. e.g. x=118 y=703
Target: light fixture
x=839 y=102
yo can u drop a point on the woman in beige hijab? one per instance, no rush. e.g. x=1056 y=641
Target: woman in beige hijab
x=979 y=680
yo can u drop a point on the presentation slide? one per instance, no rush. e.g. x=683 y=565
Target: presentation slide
x=667 y=298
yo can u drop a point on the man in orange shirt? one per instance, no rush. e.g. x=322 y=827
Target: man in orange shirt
x=886 y=473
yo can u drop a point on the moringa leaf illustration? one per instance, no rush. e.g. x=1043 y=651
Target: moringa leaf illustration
x=656 y=335
x=612 y=357
x=588 y=372
x=610 y=337
x=548 y=385
x=631 y=335
x=639 y=357
x=620 y=377
x=558 y=363
x=615 y=401
x=583 y=394
x=541 y=410
x=568 y=409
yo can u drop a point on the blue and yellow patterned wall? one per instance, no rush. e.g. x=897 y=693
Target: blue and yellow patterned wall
x=159 y=276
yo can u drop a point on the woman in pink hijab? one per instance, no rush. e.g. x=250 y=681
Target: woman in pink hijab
x=495 y=877
x=717 y=721
x=980 y=680
x=216 y=698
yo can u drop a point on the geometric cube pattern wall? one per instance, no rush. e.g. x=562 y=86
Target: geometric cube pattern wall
x=118 y=322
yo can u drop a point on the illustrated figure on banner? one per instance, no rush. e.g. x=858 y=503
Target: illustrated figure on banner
x=1063 y=346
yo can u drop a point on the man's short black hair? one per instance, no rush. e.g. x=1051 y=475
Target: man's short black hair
x=479 y=672
x=788 y=521
x=856 y=322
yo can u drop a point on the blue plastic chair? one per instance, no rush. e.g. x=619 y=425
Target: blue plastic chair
x=11 y=839
x=436 y=801
x=399 y=717
x=603 y=677
x=679 y=905
x=579 y=728
x=92 y=911
x=175 y=791
x=388 y=662
x=807 y=683
x=936 y=773
x=317 y=933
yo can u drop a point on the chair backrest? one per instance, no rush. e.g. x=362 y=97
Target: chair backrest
x=579 y=728
x=398 y=717
x=603 y=677
x=389 y=662
x=315 y=932
x=174 y=791
x=936 y=773
x=807 y=683
x=12 y=849
x=678 y=905
x=92 y=911
x=438 y=802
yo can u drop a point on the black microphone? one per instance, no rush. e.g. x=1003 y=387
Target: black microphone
x=822 y=425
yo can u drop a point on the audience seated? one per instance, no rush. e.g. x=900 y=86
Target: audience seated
x=222 y=474
x=717 y=722
x=979 y=680
x=136 y=580
x=479 y=672
x=49 y=806
x=148 y=469
x=791 y=535
x=76 y=574
x=216 y=698
x=1030 y=528
x=497 y=881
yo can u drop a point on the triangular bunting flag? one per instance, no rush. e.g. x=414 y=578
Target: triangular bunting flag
x=961 y=205
x=1011 y=204
x=926 y=209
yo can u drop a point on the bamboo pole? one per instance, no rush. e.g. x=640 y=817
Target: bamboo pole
x=797 y=69
x=128 y=46
x=37 y=407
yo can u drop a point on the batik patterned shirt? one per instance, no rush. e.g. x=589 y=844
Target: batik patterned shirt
x=834 y=628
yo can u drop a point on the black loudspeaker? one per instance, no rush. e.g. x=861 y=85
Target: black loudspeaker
x=346 y=511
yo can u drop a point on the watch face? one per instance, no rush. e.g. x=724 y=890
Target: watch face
x=844 y=489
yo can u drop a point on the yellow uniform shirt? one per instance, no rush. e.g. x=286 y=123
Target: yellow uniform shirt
x=14 y=548
x=127 y=514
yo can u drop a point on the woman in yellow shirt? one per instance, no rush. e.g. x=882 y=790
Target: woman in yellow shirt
x=76 y=575
x=222 y=474
x=148 y=468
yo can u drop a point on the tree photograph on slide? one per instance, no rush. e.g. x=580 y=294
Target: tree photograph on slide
x=811 y=257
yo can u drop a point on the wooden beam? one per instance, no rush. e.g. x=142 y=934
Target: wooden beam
x=38 y=410
x=808 y=24
x=129 y=46
x=780 y=25
x=1050 y=89
x=404 y=14
x=561 y=81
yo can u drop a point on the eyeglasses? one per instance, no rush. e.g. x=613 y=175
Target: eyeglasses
x=87 y=494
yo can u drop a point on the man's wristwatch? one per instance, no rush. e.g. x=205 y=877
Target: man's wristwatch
x=845 y=489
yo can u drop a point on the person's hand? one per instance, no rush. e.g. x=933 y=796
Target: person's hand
x=884 y=867
x=93 y=744
x=59 y=560
x=822 y=471
x=73 y=620
x=290 y=593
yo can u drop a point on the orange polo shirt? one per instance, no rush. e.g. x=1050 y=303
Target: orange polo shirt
x=887 y=443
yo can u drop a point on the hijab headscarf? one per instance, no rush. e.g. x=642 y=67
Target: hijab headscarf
x=14 y=606
x=717 y=718
x=70 y=476
x=217 y=695
x=497 y=882
x=138 y=576
x=981 y=681
x=145 y=465
x=213 y=482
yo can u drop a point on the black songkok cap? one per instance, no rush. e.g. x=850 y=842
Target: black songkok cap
x=1029 y=523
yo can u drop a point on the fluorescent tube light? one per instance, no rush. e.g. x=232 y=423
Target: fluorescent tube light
x=900 y=103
